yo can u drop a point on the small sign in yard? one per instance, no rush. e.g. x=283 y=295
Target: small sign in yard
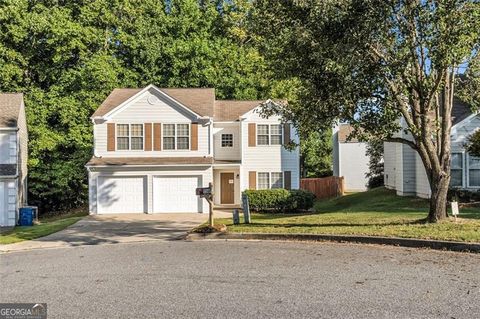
x=455 y=209
x=246 y=208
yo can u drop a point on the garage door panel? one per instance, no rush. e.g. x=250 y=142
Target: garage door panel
x=121 y=195
x=176 y=194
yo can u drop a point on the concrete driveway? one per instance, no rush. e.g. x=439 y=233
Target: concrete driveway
x=118 y=228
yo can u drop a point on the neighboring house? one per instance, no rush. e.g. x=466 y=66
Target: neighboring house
x=404 y=171
x=350 y=159
x=13 y=157
x=153 y=147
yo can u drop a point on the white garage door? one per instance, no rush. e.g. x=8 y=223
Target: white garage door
x=176 y=194
x=121 y=195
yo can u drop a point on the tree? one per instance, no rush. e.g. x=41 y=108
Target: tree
x=372 y=62
x=316 y=154
x=66 y=56
x=473 y=145
x=375 y=163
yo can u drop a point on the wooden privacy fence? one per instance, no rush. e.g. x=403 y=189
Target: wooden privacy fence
x=324 y=187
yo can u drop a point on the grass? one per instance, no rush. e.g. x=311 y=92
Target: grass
x=378 y=212
x=45 y=226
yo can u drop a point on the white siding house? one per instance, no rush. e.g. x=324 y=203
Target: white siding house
x=350 y=159
x=153 y=147
x=13 y=157
x=404 y=171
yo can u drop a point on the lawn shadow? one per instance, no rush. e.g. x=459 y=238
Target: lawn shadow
x=320 y=225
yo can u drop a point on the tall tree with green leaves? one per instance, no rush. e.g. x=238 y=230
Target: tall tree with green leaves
x=473 y=144
x=372 y=62
x=316 y=154
x=66 y=56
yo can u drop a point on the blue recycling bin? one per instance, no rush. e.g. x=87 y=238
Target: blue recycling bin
x=26 y=216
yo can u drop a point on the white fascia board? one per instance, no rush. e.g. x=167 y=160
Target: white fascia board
x=246 y=115
x=145 y=89
x=464 y=121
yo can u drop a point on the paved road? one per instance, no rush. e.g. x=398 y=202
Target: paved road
x=218 y=279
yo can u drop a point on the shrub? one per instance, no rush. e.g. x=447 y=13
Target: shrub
x=279 y=200
x=301 y=199
x=376 y=181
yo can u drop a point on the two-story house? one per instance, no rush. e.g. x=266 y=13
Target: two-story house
x=153 y=147
x=404 y=170
x=13 y=157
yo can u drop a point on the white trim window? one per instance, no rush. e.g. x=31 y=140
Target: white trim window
x=269 y=134
x=129 y=137
x=456 y=170
x=263 y=180
x=270 y=180
x=176 y=136
x=275 y=134
x=277 y=179
x=473 y=171
x=227 y=140
x=136 y=138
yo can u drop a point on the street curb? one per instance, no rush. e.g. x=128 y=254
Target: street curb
x=392 y=241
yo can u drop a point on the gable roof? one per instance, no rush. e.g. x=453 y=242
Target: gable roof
x=460 y=111
x=10 y=105
x=344 y=130
x=231 y=110
x=199 y=100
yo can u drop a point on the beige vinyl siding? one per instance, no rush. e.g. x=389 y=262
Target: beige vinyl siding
x=226 y=153
x=268 y=158
x=141 y=111
x=205 y=173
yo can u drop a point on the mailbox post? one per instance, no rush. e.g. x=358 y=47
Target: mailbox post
x=207 y=193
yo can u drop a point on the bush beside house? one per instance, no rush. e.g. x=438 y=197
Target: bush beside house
x=280 y=200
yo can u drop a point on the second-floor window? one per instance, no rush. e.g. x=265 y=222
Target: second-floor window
x=129 y=137
x=176 y=136
x=269 y=134
x=227 y=140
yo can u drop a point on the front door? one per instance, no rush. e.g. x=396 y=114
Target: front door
x=227 y=188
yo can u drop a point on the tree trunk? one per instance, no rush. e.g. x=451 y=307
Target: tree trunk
x=438 y=200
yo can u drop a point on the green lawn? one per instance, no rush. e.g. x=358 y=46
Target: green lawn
x=378 y=212
x=45 y=227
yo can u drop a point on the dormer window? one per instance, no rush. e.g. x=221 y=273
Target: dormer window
x=176 y=136
x=129 y=137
